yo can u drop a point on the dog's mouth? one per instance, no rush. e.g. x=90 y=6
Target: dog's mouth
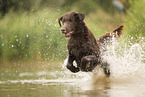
x=67 y=34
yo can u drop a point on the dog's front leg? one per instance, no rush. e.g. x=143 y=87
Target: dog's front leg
x=70 y=65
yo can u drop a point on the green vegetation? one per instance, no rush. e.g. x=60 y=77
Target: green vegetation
x=135 y=21
x=33 y=34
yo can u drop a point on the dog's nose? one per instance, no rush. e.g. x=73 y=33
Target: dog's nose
x=63 y=30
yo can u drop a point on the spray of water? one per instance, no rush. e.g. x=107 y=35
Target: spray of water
x=126 y=60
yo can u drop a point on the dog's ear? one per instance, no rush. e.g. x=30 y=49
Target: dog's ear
x=60 y=19
x=79 y=16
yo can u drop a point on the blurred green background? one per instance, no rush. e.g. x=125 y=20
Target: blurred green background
x=29 y=31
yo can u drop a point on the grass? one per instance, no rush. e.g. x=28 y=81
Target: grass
x=31 y=36
x=135 y=21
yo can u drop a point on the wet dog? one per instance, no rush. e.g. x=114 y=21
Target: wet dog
x=82 y=45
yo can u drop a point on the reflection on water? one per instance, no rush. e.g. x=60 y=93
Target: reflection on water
x=49 y=80
x=70 y=85
x=62 y=88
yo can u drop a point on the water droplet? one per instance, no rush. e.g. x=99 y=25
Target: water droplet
x=27 y=35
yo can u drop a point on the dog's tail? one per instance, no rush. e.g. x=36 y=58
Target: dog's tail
x=105 y=38
x=118 y=31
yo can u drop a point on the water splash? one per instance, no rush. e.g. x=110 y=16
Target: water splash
x=126 y=61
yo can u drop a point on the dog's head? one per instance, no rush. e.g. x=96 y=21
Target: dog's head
x=69 y=22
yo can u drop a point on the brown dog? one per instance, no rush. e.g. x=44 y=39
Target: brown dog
x=82 y=45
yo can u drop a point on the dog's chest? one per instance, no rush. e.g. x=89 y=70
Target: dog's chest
x=79 y=48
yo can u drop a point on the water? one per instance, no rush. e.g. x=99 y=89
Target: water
x=54 y=80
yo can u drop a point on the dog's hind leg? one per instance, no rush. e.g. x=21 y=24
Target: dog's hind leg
x=88 y=63
x=106 y=68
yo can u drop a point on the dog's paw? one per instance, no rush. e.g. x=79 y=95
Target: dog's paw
x=73 y=68
x=107 y=72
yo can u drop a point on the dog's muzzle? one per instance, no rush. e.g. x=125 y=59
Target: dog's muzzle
x=66 y=34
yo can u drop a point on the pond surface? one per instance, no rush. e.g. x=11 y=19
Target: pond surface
x=54 y=80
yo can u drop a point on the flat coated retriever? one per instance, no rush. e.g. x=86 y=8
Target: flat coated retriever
x=82 y=45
